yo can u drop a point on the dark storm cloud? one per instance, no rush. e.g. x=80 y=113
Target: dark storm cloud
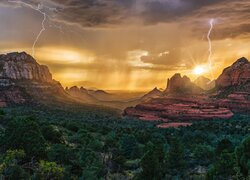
x=91 y=13
x=103 y=13
x=231 y=19
x=106 y=13
x=169 y=10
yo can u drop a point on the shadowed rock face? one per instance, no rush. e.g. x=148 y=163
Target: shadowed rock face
x=181 y=85
x=235 y=75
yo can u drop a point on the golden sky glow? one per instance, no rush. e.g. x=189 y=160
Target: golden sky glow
x=136 y=48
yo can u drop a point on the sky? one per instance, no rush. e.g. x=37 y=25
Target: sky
x=127 y=44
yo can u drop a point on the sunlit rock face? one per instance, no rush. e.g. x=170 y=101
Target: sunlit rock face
x=21 y=66
x=237 y=74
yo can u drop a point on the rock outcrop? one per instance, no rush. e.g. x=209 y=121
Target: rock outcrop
x=23 y=80
x=236 y=75
x=204 y=83
x=21 y=66
x=181 y=85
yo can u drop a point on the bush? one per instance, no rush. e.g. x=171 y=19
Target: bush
x=49 y=170
x=10 y=167
x=243 y=157
x=52 y=134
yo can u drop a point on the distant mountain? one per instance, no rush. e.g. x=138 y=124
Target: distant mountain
x=81 y=94
x=152 y=94
x=89 y=95
x=23 y=80
x=101 y=97
x=204 y=83
x=181 y=85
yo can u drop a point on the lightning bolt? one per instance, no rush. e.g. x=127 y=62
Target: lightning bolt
x=39 y=8
x=211 y=22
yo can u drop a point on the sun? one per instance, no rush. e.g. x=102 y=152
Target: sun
x=198 y=70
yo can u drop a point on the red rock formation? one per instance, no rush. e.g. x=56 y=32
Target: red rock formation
x=235 y=75
x=234 y=87
x=179 y=109
x=236 y=101
x=181 y=85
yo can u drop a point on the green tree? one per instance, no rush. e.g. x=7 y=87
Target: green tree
x=128 y=145
x=49 y=170
x=90 y=162
x=224 y=167
x=52 y=134
x=61 y=154
x=224 y=145
x=175 y=157
x=152 y=163
x=25 y=134
x=243 y=157
x=204 y=154
x=10 y=167
x=2 y=113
